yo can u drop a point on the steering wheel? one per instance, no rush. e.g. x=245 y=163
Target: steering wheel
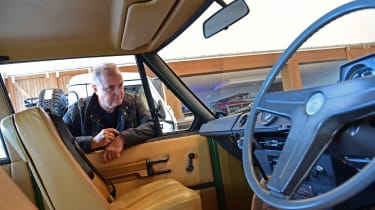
x=316 y=114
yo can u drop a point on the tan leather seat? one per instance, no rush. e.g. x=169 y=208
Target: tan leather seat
x=11 y=196
x=65 y=185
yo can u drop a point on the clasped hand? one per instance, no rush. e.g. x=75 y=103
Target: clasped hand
x=111 y=139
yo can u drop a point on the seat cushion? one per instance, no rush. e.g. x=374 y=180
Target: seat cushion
x=163 y=194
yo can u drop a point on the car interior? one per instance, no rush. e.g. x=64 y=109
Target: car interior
x=301 y=148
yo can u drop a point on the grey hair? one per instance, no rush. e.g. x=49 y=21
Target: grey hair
x=99 y=69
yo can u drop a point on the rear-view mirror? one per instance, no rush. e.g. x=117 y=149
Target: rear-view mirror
x=225 y=17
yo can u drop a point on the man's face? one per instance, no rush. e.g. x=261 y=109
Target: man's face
x=111 y=91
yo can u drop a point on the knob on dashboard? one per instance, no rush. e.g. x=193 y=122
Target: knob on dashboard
x=266 y=118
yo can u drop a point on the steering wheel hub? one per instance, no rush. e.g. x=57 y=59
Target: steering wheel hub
x=314 y=104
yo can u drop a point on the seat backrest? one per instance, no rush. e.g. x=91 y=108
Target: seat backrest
x=61 y=179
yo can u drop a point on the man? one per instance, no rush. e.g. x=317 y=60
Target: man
x=110 y=119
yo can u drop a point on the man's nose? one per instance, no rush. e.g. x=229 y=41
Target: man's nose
x=119 y=91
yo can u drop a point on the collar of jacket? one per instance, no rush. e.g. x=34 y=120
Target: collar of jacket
x=92 y=106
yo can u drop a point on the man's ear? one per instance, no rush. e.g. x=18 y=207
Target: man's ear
x=95 y=88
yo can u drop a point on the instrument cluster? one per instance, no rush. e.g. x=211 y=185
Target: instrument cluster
x=358 y=68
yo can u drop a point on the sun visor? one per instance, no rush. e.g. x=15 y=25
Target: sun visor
x=143 y=21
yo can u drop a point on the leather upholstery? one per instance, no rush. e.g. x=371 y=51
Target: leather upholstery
x=163 y=194
x=11 y=196
x=64 y=183
x=18 y=168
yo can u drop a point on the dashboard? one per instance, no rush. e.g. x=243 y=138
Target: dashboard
x=352 y=148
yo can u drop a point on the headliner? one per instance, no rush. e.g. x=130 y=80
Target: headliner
x=55 y=29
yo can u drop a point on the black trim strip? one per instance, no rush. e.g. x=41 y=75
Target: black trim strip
x=4 y=58
x=146 y=88
x=215 y=161
x=78 y=153
x=37 y=192
x=10 y=109
x=203 y=186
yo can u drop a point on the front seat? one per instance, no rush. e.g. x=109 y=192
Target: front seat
x=65 y=184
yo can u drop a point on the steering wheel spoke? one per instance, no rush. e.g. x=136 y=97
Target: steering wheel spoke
x=297 y=158
x=282 y=103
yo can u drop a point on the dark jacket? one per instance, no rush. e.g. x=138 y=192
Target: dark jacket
x=134 y=121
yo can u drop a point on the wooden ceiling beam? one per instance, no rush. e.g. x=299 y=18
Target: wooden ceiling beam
x=248 y=62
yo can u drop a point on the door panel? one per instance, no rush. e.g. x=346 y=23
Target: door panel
x=131 y=170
